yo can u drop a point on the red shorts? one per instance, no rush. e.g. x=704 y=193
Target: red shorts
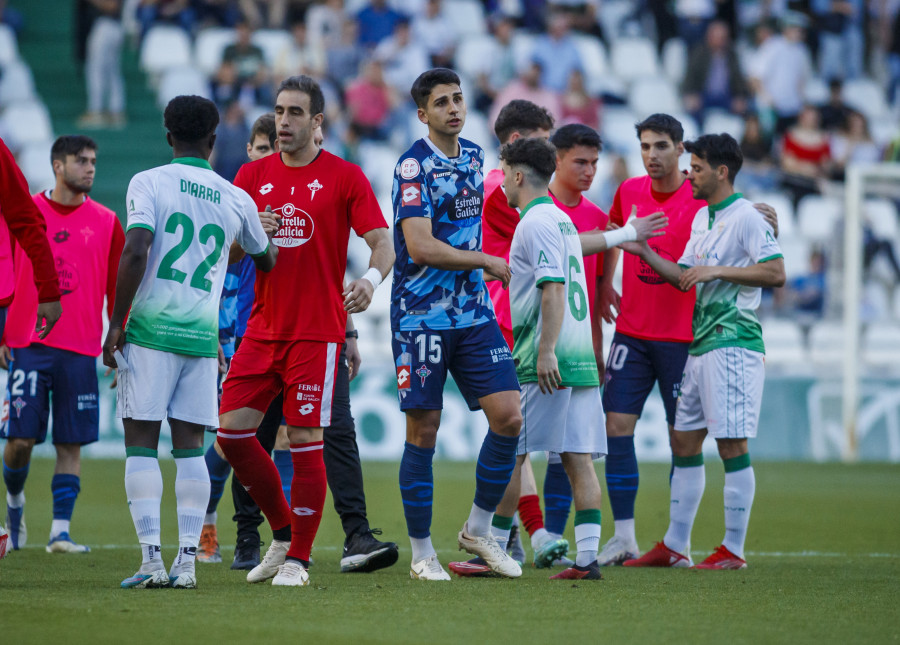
x=303 y=369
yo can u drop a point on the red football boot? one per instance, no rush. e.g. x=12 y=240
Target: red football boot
x=660 y=556
x=722 y=558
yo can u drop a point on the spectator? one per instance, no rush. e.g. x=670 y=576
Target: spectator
x=853 y=144
x=300 y=56
x=577 y=106
x=232 y=135
x=403 y=58
x=892 y=39
x=376 y=22
x=610 y=184
x=803 y=296
x=274 y=14
x=874 y=246
x=714 y=78
x=805 y=155
x=224 y=13
x=840 y=27
x=759 y=172
x=324 y=23
x=176 y=12
x=500 y=66
x=369 y=102
x=582 y=16
x=527 y=86
x=103 y=67
x=693 y=18
x=556 y=53
x=11 y=17
x=833 y=114
x=780 y=70
x=436 y=32
x=343 y=60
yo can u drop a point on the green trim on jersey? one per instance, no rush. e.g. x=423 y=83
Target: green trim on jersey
x=260 y=255
x=543 y=280
x=139 y=225
x=534 y=202
x=721 y=324
x=192 y=161
x=722 y=205
x=770 y=258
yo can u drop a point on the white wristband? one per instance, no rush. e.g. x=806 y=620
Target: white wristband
x=625 y=234
x=373 y=275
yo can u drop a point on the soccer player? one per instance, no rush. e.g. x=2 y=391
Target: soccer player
x=182 y=219
x=297 y=326
x=442 y=321
x=653 y=326
x=86 y=239
x=554 y=352
x=731 y=255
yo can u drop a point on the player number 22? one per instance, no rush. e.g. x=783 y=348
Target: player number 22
x=430 y=345
x=167 y=270
x=578 y=302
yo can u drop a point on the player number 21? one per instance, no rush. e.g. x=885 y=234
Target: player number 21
x=430 y=346
x=167 y=270
x=18 y=378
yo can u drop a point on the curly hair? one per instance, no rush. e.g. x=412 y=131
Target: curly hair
x=191 y=118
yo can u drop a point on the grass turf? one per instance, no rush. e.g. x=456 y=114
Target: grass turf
x=823 y=549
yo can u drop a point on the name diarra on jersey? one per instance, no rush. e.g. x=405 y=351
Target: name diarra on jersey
x=200 y=191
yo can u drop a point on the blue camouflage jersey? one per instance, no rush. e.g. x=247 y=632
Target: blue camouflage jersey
x=449 y=192
x=236 y=302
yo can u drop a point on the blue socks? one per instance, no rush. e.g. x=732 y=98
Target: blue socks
x=621 y=476
x=557 y=498
x=65 y=491
x=15 y=478
x=493 y=470
x=417 y=489
x=285 y=466
x=219 y=469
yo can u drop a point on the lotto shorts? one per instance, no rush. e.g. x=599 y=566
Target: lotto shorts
x=304 y=370
x=478 y=358
x=569 y=420
x=46 y=379
x=632 y=368
x=156 y=385
x=722 y=392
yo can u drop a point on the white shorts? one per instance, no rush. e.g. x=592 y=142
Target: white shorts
x=569 y=420
x=722 y=392
x=156 y=385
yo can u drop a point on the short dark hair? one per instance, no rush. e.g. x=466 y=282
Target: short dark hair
x=307 y=85
x=191 y=118
x=537 y=155
x=718 y=150
x=70 y=144
x=663 y=124
x=428 y=80
x=521 y=116
x=576 y=134
x=264 y=126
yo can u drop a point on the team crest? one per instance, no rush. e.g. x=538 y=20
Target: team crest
x=19 y=404
x=87 y=233
x=313 y=187
x=409 y=168
x=423 y=373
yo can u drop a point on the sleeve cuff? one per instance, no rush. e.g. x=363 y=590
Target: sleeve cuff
x=549 y=279
x=259 y=255
x=771 y=257
x=140 y=225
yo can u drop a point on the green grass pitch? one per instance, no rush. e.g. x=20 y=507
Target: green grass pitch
x=823 y=549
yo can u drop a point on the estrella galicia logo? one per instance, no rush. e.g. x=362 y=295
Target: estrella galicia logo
x=466 y=207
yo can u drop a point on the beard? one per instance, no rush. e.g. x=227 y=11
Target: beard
x=76 y=187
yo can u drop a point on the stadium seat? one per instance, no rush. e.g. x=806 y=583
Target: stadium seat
x=826 y=343
x=882 y=215
x=27 y=122
x=796 y=252
x=617 y=130
x=867 y=96
x=467 y=16
x=34 y=161
x=719 y=121
x=474 y=55
x=895 y=300
x=884 y=130
x=594 y=61
x=522 y=46
x=16 y=83
x=634 y=58
x=377 y=162
x=165 y=47
x=653 y=94
x=675 y=59
x=787 y=222
x=271 y=42
x=9 y=48
x=815 y=91
x=182 y=80
x=784 y=342
x=881 y=345
x=209 y=47
x=875 y=303
x=817 y=217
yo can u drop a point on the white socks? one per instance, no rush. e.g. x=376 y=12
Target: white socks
x=421 y=548
x=625 y=530
x=740 y=487
x=539 y=537
x=479 y=522
x=192 y=495
x=501 y=535
x=59 y=526
x=144 y=487
x=687 y=490
x=587 y=542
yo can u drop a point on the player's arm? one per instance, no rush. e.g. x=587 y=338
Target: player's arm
x=132 y=266
x=769 y=273
x=636 y=229
x=553 y=303
x=358 y=294
x=426 y=250
x=354 y=358
x=667 y=270
x=607 y=296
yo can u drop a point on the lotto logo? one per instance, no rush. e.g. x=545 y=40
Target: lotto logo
x=306 y=408
x=412 y=195
x=265 y=190
x=303 y=511
x=403 y=373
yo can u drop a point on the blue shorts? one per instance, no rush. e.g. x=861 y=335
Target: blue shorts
x=478 y=358
x=34 y=373
x=632 y=368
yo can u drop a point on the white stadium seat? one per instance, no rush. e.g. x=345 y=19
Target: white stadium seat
x=818 y=216
x=16 y=83
x=867 y=96
x=719 y=121
x=787 y=223
x=882 y=215
x=594 y=61
x=815 y=91
x=653 y=94
x=271 y=42
x=617 y=130
x=34 y=161
x=881 y=345
x=522 y=46
x=9 y=48
x=796 y=252
x=467 y=16
x=675 y=59
x=182 y=80
x=165 y=47
x=209 y=47
x=474 y=55
x=634 y=58
x=27 y=122
x=826 y=343
x=784 y=342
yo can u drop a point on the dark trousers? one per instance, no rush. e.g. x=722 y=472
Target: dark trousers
x=342 y=466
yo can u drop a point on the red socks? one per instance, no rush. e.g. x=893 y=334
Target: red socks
x=255 y=470
x=308 y=489
x=530 y=513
